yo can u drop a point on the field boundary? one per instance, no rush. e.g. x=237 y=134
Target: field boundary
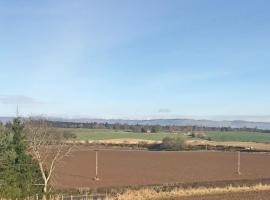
x=202 y=149
x=151 y=194
x=167 y=187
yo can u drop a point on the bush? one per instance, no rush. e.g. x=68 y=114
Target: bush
x=69 y=135
x=199 y=135
x=175 y=144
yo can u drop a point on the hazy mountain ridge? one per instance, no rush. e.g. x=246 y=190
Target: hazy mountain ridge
x=165 y=122
x=6 y=119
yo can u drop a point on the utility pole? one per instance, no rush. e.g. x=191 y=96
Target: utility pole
x=239 y=163
x=17 y=111
x=96 y=177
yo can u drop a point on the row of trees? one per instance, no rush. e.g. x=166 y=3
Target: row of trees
x=149 y=128
x=29 y=154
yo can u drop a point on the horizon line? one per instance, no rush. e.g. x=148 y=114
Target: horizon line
x=247 y=118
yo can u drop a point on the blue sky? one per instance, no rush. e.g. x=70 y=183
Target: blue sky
x=135 y=58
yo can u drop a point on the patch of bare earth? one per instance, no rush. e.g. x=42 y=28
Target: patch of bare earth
x=118 y=168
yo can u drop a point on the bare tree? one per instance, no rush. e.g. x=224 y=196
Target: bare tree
x=47 y=146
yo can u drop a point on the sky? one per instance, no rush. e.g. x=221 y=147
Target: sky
x=135 y=58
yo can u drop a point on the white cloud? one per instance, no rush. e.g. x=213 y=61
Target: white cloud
x=17 y=99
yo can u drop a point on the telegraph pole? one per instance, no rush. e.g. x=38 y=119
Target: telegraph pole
x=96 y=177
x=239 y=163
x=17 y=111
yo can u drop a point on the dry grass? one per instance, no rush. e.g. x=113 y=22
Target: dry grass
x=256 y=145
x=151 y=194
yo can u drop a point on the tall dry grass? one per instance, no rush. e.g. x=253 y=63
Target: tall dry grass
x=151 y=194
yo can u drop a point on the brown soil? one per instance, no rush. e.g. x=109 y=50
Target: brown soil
x=131 y=168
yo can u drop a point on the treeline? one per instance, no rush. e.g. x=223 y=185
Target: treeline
x=150 y=128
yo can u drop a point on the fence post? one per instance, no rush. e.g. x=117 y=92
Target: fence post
x=36 y=196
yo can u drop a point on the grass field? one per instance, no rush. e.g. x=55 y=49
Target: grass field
x=239 y=136
x=106 y=134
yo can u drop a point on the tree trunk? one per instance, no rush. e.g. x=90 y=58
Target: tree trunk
x=45 y=189
x=44 y=197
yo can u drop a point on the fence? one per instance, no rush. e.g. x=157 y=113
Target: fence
x=74 y=197
x=84 y=197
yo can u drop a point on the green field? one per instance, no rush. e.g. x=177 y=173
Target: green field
x=239 y=136
x=105 y=134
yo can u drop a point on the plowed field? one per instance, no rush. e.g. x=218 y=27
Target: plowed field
x=132 y=168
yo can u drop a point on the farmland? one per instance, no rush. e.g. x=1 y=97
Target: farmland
x=130 y=168
x=107 y=134
x=239 y=136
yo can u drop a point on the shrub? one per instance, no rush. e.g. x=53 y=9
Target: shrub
x=69 y=135
x=199 y=135
x=175 y=144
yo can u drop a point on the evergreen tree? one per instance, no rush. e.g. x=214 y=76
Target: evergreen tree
x=27 y=169
x=19 y=173
x=8 y=174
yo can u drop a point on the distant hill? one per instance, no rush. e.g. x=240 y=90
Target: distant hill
x=6 y=119
x=165 y=122
x=178 y=122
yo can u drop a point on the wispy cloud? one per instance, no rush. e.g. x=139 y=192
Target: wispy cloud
x=164 y=110
x=17 y=99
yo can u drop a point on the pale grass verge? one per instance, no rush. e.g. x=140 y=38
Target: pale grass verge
x=151 y=194
x=256 y=145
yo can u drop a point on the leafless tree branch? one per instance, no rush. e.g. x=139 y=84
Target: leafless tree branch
x=47 y=146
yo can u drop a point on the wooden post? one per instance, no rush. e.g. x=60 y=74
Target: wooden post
x=96 y=177
x=96 y=163
x=239 y=163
